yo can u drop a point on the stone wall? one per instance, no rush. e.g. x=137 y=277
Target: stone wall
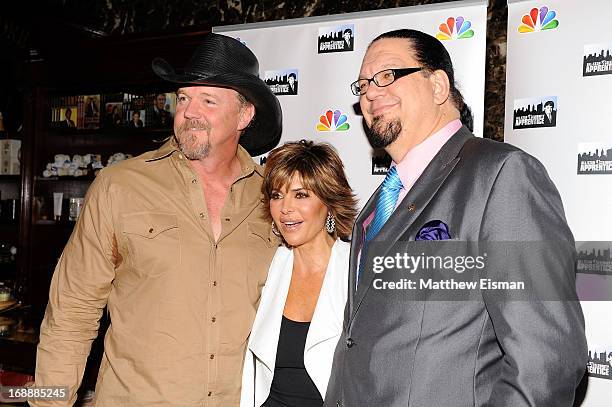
x=119 y=17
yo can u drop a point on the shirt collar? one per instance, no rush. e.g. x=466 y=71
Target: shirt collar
x=418 y=158
x=165 y=150
x=247 y=164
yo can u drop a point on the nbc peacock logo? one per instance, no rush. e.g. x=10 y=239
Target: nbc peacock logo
x=455 y=29
x=333 y=120
x=538 y=20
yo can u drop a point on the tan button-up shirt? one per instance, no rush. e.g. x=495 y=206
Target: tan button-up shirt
x=181 y=305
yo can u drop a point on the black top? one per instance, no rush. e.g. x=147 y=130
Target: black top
x=291 y=386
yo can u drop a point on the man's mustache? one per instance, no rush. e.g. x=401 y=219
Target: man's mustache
x=193 y=125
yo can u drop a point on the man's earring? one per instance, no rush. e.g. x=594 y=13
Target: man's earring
x=330 y=224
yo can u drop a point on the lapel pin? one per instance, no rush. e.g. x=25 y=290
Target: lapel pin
x=411 y=207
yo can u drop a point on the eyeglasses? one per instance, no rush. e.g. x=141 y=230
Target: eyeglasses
x=381 y=79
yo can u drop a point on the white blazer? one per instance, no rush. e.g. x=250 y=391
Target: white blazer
x=323 y=334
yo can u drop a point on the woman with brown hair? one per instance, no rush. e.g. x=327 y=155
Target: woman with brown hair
x=299 y=320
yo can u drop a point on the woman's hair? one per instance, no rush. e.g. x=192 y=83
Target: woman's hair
x=321 y=171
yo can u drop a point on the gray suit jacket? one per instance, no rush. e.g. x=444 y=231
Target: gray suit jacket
x=491 y=352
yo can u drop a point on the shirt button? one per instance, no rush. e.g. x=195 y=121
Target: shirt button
x=214 y=283
x=209 y=393
x=212 y=356
x=194 y=181
x=151 y=230
x=201 y=214
x=350 y=343
x=213 y=319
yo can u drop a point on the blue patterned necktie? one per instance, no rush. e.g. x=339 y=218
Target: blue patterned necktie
x=387 y=199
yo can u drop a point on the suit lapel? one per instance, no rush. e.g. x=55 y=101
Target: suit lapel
x=412 y=205
x=324 y=320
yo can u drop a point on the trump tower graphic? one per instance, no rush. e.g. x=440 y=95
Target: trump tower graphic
x=381 y=161
x=600 y=363
x=597 y=60
x=284 y=82
x=594 y=158
x=339 y=38
x=535 y=112
x=592 y=260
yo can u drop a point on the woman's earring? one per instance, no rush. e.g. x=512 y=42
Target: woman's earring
x=330 y=223
x=274 y=230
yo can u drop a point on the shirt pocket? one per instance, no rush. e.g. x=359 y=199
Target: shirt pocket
x=153 y=242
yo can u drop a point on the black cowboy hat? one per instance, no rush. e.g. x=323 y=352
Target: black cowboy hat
x=224 y=62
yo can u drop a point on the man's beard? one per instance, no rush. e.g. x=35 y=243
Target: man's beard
x=188 y=142
x=381 y=134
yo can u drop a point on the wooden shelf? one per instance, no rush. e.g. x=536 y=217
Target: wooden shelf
x=85 y=178
x=113 y=132
x=65 y=224
x=40 y=245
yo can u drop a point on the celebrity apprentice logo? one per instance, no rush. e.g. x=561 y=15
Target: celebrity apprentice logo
x=455 y=29
x=339 y=38
x=597 y=60
x=381 y=161
x=538 y=20
x=592 y=261
x=282 y=82
x=600 y=364
x=535 y=112
x=594 y=158
x=333 y=121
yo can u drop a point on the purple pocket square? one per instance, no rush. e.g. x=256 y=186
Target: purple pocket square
x=433 y=230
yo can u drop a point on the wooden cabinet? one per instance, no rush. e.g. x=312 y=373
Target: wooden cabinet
x=48 y=236
x=100 y=66
x=10 y=194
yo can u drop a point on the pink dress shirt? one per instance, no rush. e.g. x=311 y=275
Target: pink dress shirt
x=417 y=159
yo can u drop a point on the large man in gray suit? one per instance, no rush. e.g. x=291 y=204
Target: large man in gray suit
x=447 y=184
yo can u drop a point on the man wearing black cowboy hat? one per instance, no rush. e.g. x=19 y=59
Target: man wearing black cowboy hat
x=174 y=244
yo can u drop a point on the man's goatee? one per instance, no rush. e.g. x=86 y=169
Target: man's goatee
x=382 y=134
